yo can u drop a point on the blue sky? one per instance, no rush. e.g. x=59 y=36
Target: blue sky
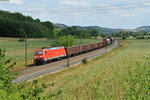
x=126 y=14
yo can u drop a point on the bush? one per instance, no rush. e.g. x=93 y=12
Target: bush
x=62 y=41
x=21 y=40
x=140 y=37
x=148 y=37
x=124 y=37
x=22 y=91
x=84 y=61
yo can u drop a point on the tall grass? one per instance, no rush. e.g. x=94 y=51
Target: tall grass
x=123 y=76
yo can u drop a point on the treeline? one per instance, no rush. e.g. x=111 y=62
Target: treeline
x=18 y=25
x=84 y=33
x=137 y=35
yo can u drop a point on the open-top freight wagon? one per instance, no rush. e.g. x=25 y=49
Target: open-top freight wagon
x=50 y=54
x=72 y=51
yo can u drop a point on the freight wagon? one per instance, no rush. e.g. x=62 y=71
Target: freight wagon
x=72 y=51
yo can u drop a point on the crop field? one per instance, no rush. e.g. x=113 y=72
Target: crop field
x=16 y=50
x=123 y=73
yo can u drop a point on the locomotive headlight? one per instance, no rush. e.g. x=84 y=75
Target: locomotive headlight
x=41 y=56
x=35 y=57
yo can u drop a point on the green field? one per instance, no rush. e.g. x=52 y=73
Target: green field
x=123 y=73
x=16 y=50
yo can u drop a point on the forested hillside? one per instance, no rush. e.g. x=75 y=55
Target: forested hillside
x=18 y=25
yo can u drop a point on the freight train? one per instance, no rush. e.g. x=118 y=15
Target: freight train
x=49 y=54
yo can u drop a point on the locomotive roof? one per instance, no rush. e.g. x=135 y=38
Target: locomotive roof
x=53 y=48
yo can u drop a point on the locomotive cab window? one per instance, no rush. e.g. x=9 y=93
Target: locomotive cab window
x=39 y=52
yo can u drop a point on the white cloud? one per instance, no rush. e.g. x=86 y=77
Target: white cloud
x=19 y=2
x=75 y=3
x=147 y=4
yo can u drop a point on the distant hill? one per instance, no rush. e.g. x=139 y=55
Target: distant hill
x=106 y=30
x=143 y=29
x=58 y=25
x=110 y=30
x=140 y=29
x=101 y=29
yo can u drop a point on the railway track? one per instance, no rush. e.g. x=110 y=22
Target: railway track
x=28 y=74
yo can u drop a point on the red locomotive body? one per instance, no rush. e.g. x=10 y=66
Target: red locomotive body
x=47 y=54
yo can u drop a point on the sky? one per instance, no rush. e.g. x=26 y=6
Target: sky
x=124 y=14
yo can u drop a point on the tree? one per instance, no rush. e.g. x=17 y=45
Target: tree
x=62 y=41
x=22 y=32
x=103 y=35
x=95 y=33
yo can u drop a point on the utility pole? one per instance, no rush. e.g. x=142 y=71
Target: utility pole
x=67 y=51
x=26 y=53
x=80 y=40
x=106 y=46
x=118 y=42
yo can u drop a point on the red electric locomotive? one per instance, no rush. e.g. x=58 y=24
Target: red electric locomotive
x=48 y=54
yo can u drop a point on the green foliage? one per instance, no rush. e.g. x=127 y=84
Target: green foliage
x=10 y=91
x=103 y=35
x=84 y=33
x=140 y=37
x=134 y=35
x=148 y=37
x=17 y=25
x=69 y=30
x=84 y=61
x=34 y=91
x=22 y=32
x=124 y=37
x=21 y=40
x=95 y=33
x=126 y=34
x=118 y=35
x=5 y=76
x=64 y=41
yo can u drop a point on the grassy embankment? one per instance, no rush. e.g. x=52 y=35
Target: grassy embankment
x=122 y=73
x=16 y=50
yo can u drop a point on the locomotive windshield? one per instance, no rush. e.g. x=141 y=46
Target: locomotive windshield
x=39 y=52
